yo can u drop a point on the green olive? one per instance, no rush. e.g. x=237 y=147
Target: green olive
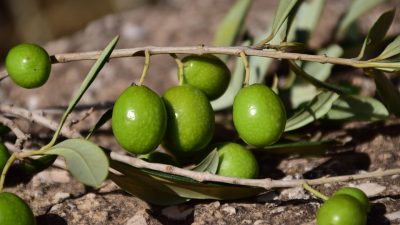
x=258 y=115
x=236 y=161
x=139 y=120
x=4 y=155
x=207 y=73
x=357 y=194
x=190 y=120
x=14 y=211
x=28 y=65
x=341 y=210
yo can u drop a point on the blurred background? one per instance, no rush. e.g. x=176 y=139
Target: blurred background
x=39 y=21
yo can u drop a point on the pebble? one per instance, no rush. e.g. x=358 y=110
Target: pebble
x=230 y=210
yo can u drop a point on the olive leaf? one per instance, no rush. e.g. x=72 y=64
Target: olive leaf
x=301 y=147
x=318 y=107
x=391 y=50
x=235 y=84
x=209 y=163
x=377 y=32
x=103 y=119
x=85 y=160
x=356 y=9
x=232 y=25
x=284 y=10
x=353 y=107
x=388 y=93
x=184 y=188
x=94 y=71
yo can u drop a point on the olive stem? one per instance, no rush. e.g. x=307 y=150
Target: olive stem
x=5 y=170
x=234 y=50
x=179 y=63
x=315 y=192
x=145 y=67
x=246 y=67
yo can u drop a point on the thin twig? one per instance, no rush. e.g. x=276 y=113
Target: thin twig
x=38 y=118
x=21 y=136
x=246 y=67
x=235 y=50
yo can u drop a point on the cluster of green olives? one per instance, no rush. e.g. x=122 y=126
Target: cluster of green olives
x=347 y=206
x=182 y=120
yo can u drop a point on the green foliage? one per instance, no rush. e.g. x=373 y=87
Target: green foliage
x=85 y=160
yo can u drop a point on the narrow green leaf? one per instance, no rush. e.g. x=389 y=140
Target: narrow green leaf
x=147 y=188
x=285 y=7
x=209 y=163
x=103 y=119
x=354 y=107
x=391 y=50
x=388 y=93
x=314 y=81
x=236 y=82
x=232 y=24
x=101 y=61
x=378 y=31
x=307 y=19
x=318 y=107
x=187 y=190
x=356 y=9
x=301 y=147
x=33 y=166
x=85 y=160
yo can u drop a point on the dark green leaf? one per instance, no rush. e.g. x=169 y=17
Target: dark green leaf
x=147 y=188
x=353 y=107
x=232 y=24
x=391 y=50
x=86 y=161
x=209 y=163
x=314 y=110
x=103 y=119
x=356 y=9
x=388 y=93
x=34 y=166
x=301 y=147
x=189 y=189
x=378 y=31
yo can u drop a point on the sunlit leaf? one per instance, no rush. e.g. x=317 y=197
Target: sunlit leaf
x=318 y=107
x=232 y=24
x=378 y=31
x=391 y=50
x=356 y=9
x=353 y=107
x=94 y=71
x=236 y=82
x=209 y=163
x=301 y=147
x=388 y=93
x=85 y=160
x=307 y=19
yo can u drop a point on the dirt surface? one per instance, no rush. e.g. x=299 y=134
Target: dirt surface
x=57 y=199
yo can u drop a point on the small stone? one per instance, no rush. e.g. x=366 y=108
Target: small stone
x=60 y=196
x=260 y=222
x=138 y=219
x=230 y=210
x=216 y=204
x=246 y=221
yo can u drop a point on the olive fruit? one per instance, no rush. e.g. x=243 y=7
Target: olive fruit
x=14 y=211
x=139 y=119
x=191 y=124
x=357 y=194
x=4 y=155
x=258 y=115
x=207 y=73
x=236 y=161
x=341 y=210
x=28 y=65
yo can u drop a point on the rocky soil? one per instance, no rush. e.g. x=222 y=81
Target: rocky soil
x=57 y=199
